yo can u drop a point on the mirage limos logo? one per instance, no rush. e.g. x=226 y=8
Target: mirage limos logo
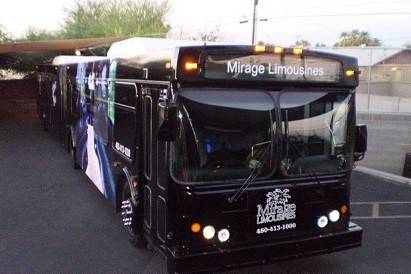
x=276 y=208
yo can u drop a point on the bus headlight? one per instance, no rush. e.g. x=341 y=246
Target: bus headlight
x=322 y=221
x=334 y=216
x=209 y=232
x=223 y=235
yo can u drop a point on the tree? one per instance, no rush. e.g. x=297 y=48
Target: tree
x=35 y=34
x=211 y=36
x=4 y=36
x=115 y=18
x=88 y=19
x=407 y=45
x=302 y=43
x=320 y=45
x=357 y=38
x=26 y=62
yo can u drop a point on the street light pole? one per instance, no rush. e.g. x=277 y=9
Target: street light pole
x=254 y=23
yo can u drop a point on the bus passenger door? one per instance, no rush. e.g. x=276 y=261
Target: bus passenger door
x=123 y=113
x=155 y=190
x=125 y=121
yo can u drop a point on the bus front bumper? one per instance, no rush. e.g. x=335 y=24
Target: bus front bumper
x=265 y=253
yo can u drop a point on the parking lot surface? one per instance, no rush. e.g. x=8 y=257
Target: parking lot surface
x=53 y=220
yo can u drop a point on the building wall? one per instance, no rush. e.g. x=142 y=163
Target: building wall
x=18 y=89
x=389 y=139
x=390 y=89
x=18 y=97
x=403 y=57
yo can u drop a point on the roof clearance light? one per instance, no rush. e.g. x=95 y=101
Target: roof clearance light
x=190 y=66
x=278 y=50
x=195 y=227
x=259 y=48
x=334 y=216
x=297 y=51
x=209 y=232
x=322 y=222
x=349 y=72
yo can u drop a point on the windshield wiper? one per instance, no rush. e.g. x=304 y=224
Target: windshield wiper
x=256 y=167
x=289 y=143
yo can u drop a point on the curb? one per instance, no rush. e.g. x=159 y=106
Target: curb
x=384 y=175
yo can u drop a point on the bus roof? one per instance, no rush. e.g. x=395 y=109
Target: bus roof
x=140 y=45
x=73 y=59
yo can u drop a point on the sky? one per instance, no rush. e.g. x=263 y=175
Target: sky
x=319 y=21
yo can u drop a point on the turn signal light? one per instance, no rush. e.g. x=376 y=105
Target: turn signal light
x=195 y=227
x=344 y=209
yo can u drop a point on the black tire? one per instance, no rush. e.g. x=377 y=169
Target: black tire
x=134 y=226
x=72 y=151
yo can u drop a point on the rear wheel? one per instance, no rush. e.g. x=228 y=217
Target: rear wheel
x=131 y=217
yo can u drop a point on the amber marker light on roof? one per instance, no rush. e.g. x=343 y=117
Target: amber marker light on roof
x=259 y=48
x=278 y=50
x=190 y=66
x=349 y=72
x=297 y=51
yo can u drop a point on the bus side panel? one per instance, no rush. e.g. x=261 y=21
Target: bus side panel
x=92 y=127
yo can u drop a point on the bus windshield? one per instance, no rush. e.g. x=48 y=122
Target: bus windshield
x=220 y=132
x=318 y=132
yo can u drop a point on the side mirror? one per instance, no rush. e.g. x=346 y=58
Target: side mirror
x=360 y=142
x=168 y=122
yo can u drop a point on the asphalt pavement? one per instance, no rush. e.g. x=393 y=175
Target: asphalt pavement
x=53 y=220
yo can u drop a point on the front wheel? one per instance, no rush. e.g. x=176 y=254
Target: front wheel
x=73 y=155
x=131 y=217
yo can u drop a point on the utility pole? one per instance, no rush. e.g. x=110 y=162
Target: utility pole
x=254 y=38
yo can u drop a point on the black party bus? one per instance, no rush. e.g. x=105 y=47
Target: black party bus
x=217 y=156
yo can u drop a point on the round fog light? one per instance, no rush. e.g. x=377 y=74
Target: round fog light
x=322 y=222
x=209 y=232
x=223 y=235
x=334 y=216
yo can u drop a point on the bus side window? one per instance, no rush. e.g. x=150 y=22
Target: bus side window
x=124 y=135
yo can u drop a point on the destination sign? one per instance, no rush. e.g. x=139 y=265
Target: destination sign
x=270 y=67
